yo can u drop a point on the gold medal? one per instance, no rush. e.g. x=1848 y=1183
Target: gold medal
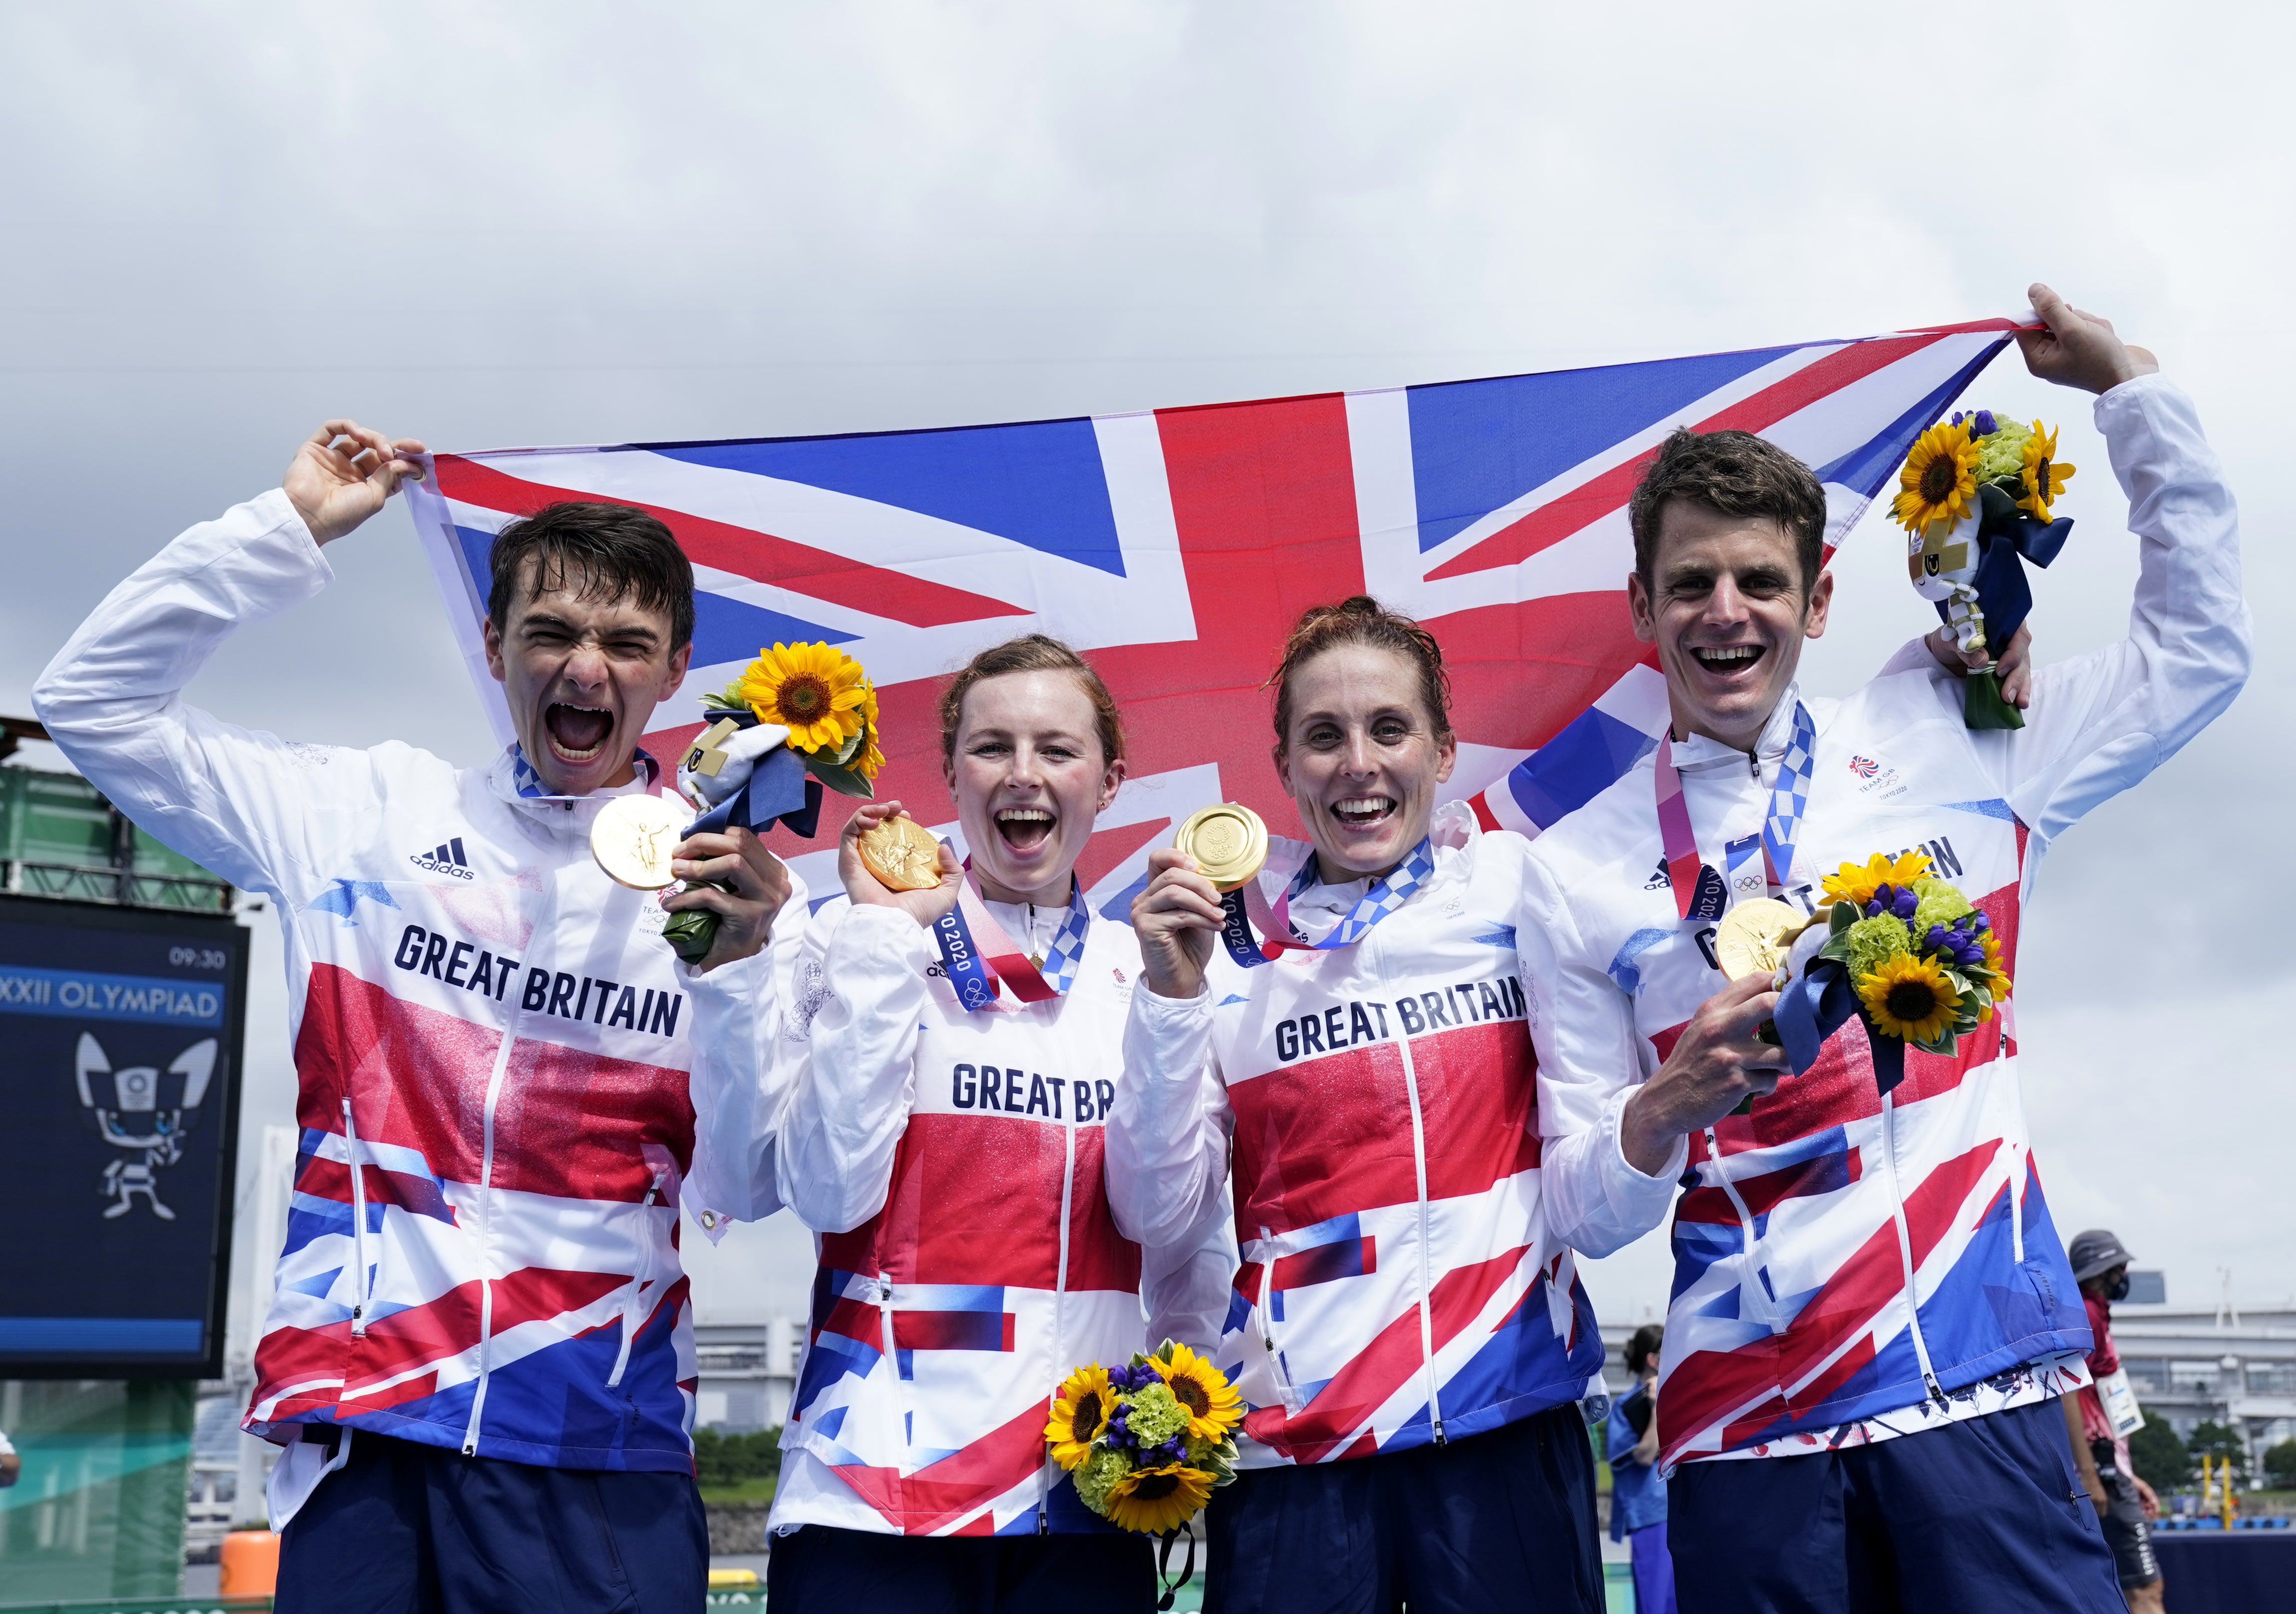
x=1754 y=937
x=632 y=840
x=902 y=854
x=1228 y=842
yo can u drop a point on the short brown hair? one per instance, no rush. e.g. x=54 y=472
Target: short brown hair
x=1362 y=620
x=614 y=549
x=1031 y=653
x=1731 y=474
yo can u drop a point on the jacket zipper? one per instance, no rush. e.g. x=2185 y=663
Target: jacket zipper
x=638 y=1279
x=1906 y=1247
x=363 y=1287
x=1426 y=1261
x=1060 y=1323
x=1268 y=1321
x=1765 y=1305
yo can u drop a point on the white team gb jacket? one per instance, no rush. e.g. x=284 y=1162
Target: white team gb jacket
x=951 y=1164
x=1850 y=1265
x=491 y=1041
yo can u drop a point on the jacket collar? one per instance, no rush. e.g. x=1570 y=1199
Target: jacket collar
x=572 y=815
x=1699 y=753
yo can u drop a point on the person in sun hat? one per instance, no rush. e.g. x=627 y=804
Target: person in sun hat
x=2125 y=1503
x=480 y=1357
x=1871 y=1309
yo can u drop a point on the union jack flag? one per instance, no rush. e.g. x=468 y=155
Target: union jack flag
x=1176 y=547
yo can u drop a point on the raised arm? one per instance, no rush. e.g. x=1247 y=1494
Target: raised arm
x=2100 y=723
x=850 y=1039
x=1590 y=1067
x=238 y=801
x=741 y=1081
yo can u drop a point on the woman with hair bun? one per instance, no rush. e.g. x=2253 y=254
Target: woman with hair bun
x=948 y=1157
x=1411 y=1343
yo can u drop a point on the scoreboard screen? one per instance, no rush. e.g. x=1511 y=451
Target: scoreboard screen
x=119 y=1064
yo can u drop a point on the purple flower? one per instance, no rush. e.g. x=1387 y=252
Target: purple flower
x=1935 y=939
x=1986 y=424
x=1980 y=923
x=1958 y=416
x=1904 y=904
x=1971 y=956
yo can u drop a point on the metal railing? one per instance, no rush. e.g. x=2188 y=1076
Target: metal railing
x=125 y=887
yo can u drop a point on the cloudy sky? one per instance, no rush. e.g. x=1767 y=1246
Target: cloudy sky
x=491 y=225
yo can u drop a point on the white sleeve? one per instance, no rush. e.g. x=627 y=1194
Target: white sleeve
x=739 y=1087
x=1185 y=1286
x=2100 y=723
x=852 y=1066
x=256 y=810
x=1167 y=1132
x=1582 y=1024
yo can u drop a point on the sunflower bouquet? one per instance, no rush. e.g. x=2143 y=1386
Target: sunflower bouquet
x=798 y=717
x=1146 y=1444
x=1902 y=950
x=1976 y=498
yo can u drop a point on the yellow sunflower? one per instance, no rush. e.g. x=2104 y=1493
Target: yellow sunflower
x=1910 y=997
x=1996 y=978
x=1080 y=1411
x=813 y=691
x=1857 y=886
x=1214 y=1407
x=871 y=759
x=1940 y=480
x=2044 y=474
x=1158 y=1499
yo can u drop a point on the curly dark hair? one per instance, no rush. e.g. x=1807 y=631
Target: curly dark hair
x=1362 y=620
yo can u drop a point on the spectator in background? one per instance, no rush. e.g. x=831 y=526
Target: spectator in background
x=2124 y=1502
x=12 y=1466
x=1637 y=1494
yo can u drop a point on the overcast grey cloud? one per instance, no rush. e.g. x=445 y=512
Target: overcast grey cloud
x=492 y=225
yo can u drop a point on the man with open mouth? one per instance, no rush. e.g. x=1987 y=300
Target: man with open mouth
x=1871 y=1309
x=481 y=1355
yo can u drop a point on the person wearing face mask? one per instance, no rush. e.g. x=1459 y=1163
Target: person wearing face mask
x=476 y=1354
x=2125 y=1503
x=1410 y=1342
x=1871 y=1309
x=948 y=1159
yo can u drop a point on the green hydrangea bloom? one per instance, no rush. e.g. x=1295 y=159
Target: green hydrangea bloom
x=1097 y=1474
x=1940 y=904
x=1872 y=940
x=2004 y=453
x=1156 y=1415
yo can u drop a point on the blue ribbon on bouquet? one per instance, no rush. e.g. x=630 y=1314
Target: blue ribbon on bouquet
x=2007 y=538
x=1819 y=1003
x=778 y=790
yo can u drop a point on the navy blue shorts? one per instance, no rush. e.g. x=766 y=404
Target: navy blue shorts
x=405 y=1529
x=818 y=1570
x=1504 y=1521
x=1980 y=1516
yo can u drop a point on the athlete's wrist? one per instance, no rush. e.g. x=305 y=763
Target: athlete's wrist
x=1647 y=1134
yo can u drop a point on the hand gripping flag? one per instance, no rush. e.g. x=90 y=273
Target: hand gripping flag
x=1176 y=547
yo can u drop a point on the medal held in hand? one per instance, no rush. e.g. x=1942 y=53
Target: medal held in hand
x=901 y=853
x=632 y=841
x=1228 y=842
x=1754 y=937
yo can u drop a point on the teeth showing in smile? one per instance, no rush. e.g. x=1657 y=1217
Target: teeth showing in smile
x=1727 y=658
x=1359 y=812
x=577 y=734
x=1024 y=827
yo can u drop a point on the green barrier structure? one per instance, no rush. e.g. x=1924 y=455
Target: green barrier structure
x=146 y=1605
x=98 y=1511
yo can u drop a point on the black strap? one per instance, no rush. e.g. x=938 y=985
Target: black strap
x=1164 y=1565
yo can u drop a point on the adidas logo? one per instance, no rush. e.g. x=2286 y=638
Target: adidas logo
x=1658 y=881
x=445 y=858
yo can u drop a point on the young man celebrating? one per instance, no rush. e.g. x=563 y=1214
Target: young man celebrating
x=480 y=1359
x=1870 y=1308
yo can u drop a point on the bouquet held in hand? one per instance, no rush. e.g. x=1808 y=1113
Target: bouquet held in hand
x=1147 y=1443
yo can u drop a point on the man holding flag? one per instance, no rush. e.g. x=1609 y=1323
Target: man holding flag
x=1870 y=1307
x=480 y=1358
